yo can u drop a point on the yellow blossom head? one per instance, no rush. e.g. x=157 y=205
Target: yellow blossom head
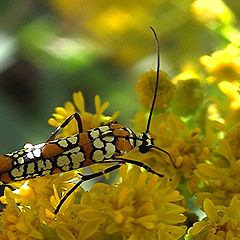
x=142 y=206
x=146 y=86
x=89 y=120
x=188 y=95
x=223 y=64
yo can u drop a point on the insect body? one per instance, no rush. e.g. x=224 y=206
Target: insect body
x=101 y=144
x=104 y=144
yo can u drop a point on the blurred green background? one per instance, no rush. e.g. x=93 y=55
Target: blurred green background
x=49 y=49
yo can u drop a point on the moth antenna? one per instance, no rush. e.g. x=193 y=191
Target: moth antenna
x=157 y=80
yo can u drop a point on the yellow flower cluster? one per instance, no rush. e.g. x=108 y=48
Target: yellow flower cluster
x=223 y=64
x=142 y=206
x=138 y=208
x=221 y=222
x=18 y=223
x=89 y=120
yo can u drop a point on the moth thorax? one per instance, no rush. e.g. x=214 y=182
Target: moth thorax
x=144 y=142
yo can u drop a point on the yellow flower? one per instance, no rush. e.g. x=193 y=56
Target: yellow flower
x=223 y=64
x=219 y=177
x=145 y=90
x=89 y=120
x=221 y=222
x=18 y=223
x=142 y=206
x=188 y=95
x=36 y=194
x=217 y=10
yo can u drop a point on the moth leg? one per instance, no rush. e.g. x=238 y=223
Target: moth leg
x=75 y=116
x=134 y=162
x=83 y=179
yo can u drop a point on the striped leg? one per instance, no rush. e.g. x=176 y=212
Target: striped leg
x=83 y=179
x=65 y=123
x=120 y=162
x=134 y=162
